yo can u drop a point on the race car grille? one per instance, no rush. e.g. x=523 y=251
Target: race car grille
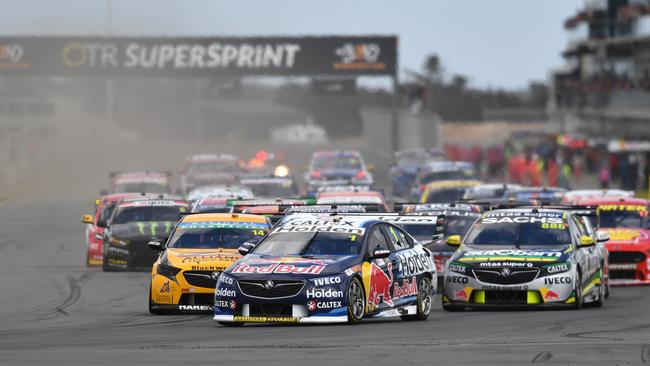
x=196 y=299
x=622 y=274
x=278 y=290
x=513 y=277
x=200 y=278
x=506 y=297
x=271 y=310
x=626 y=257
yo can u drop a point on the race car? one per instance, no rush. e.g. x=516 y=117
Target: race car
x=490 y=191
x=407 y=164
x=625 y=222
x=96 y=224
x=525 y=257
x=207 y=169
x=200 y=247
x=574 y=196
x=139 y=182
x=220 y=191
x=270 y=187
x=458 y=218
x=366 y=198
x=211 y=205
x=446 y=191
x=337 y=168
x=545 y=195
x=441 y=171
x=328 y=269
x=135 y=222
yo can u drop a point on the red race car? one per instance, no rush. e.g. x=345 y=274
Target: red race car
x=95 y=225
x=625 y=219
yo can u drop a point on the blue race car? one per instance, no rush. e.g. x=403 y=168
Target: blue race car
x=327 y=269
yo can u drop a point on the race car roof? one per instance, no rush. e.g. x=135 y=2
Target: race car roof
x=617 y=200
x=152 y=202
x=442 y=166
x=437 y=207
x=284 y=181
x=202 y=217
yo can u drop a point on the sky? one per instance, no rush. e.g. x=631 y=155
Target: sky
x=496 y=43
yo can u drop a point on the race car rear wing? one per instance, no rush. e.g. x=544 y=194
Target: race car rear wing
x=403 y=207
x=333 y=209
x=116 y=173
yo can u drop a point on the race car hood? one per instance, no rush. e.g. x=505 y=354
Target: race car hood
x=531 y=256
x=202 y=259
x=290 y=267
x=627 y=236
x=140 y=230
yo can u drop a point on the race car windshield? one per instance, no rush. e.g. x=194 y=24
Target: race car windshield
x=142 y=187
x=445 y=195
x=310 y=243
x=143 y=214
x=342 y=163
x=519 y=234
x=212 y=238
x=446 y=175
x=213 y=167
x=482 y=193
x=622 y=219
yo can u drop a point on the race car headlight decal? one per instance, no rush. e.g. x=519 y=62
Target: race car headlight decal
x=458 y=267
x=556 y=268
x=167 y=270
x=118 y=242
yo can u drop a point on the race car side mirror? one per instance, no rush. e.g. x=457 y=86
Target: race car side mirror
x=602 y=237
x=87 y=219
x=156 y=245
x=246 y=247
x=379 y=253
x=587 y=241
x=453 y=240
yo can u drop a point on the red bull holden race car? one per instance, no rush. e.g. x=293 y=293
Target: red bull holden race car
x=327 y=269
x=526 y=257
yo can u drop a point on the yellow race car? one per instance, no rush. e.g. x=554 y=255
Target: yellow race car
x=200 y=247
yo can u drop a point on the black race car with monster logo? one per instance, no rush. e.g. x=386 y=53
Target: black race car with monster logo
x=327 y=269
x=133 y=224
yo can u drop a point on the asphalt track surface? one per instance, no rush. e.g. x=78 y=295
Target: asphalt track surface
x=53 y=310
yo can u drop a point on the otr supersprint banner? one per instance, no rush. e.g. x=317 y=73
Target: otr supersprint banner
x=198 y=56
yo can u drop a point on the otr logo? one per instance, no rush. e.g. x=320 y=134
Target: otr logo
x=76 y=55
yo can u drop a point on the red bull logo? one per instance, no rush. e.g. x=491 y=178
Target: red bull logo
x=461 y=294
x=551 y=295
x=380 y=285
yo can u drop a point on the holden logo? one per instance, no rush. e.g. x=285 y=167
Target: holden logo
x=269 y=284
x=505 y=272
x=215 y=275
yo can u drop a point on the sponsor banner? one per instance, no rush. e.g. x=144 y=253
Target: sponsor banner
x=523 y=220
x=622 y=266
x=198 y=56
x=266 y=319
x=512 y=253
x=314 y=305
x=188 y=225
x=195 y=308
x=279 y=268
x=320 y=293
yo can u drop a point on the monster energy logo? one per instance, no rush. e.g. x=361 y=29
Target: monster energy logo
x=153 y=226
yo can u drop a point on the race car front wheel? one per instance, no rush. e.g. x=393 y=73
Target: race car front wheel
x=425 y=301
x=602 y=291
x=356 y=301
x=578 y=291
